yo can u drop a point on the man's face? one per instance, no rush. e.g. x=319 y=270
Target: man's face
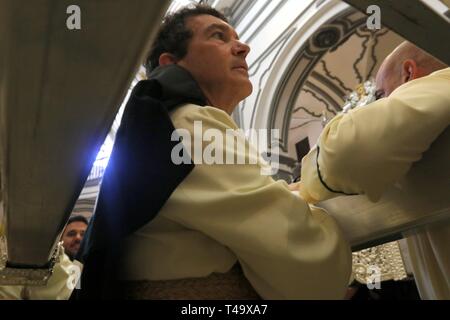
x=216 y=59
x=72 y=236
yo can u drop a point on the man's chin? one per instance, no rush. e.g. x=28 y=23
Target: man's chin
x=71 y=255
x=243 y=81
x=248 y=88
x=73 y=252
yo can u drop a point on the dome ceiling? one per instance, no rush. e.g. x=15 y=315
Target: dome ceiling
x=336 y=75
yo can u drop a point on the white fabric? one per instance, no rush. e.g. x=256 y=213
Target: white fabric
x=221 y=214
x=371 y=147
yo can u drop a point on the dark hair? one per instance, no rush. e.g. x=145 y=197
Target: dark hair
x=173 y=36
x=77 y=218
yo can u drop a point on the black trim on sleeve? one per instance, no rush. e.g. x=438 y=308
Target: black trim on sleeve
x=323 y=182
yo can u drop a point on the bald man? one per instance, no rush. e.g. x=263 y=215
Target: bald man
x=407 y=62
x=368 y=149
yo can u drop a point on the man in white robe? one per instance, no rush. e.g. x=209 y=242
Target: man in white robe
x=370 y=148
x=223 y=215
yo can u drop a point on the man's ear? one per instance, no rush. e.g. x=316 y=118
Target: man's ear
x=166 y=58
x=409 y=70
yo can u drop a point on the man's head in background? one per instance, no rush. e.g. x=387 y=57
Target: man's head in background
x=200 y=40
x=73 y=235
x=407 y=62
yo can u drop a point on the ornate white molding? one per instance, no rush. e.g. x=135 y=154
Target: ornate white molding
x=3 y=253
x=386 y=258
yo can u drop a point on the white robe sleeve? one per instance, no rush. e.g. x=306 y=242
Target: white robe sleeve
x=368 y=149
x=287 y=249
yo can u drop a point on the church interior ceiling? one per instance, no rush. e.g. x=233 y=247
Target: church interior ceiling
x=334 y=77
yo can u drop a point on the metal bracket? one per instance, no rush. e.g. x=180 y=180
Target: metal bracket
x=26 y=276
x=3 y=253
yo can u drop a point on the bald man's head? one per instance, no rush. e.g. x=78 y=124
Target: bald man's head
x=407 y=62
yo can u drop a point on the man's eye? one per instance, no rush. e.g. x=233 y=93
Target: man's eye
x=379 y=95
x=218 y=35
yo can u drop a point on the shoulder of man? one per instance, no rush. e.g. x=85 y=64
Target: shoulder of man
x=184 y=116
x=445 y=73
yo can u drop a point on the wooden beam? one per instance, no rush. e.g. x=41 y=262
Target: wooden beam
x=414 y=21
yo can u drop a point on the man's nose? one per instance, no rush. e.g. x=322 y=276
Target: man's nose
x=241 y=49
